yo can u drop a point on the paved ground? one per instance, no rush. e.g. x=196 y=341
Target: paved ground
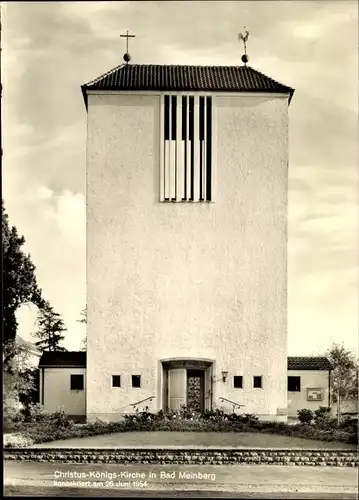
x=42 y=478
x=194 y=439
x=24 y=491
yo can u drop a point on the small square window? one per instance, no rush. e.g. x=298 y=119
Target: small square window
x=238 y=381
x=136 y=380
x=77 y=382
x=294 y=384
x=116 y=380
x=257 y=382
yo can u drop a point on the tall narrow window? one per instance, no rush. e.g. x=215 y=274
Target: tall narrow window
x=173 y=150
x=186 y=157
x=201 y=148
x=173 y=117
x=167 y=117
x=184 y=139
x=209 y=149
x=166 y=132
x=191 y=141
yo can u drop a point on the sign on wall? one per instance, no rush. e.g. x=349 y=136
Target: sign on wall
x=315 y=394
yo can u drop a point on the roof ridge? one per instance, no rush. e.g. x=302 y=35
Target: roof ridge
x=190 y=65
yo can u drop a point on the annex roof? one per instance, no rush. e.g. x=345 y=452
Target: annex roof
x=78 y=359
x=152 y=77
x=65 y=359
x=309 y=363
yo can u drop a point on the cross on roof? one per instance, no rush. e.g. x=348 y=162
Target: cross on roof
x=127 y=36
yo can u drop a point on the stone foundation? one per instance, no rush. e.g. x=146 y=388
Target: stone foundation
x=193 y=456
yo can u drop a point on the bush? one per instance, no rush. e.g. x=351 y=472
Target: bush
x=11 y=404
x=17 y=441
x=12 y=414
x=350 y=425
x=322 y=416
x=49 y=427
x=61 y=420
x=250 y=419
x=37 y=413
x=305 y=416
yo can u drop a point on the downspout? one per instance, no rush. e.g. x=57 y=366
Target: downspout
x=329 y=389
x=42 y=387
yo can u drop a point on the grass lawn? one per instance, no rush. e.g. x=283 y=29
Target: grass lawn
x=193 y=439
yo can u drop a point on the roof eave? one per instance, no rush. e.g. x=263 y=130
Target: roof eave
x=94 y=89
x=57 y=365
x=84 y=95
x=291 y=92
x=313 y=369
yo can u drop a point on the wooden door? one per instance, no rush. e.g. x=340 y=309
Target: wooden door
x=177 y=387
x=195 y=390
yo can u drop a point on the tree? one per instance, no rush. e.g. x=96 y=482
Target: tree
x=50 y=329
x=19 y=280
x=83 y=315
x=19 y=379
x=83 y=345
x=344 y=377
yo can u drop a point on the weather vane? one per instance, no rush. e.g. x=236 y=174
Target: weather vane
x=244 y=37
x=127 y=57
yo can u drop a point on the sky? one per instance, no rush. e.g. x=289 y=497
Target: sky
x=50 y=49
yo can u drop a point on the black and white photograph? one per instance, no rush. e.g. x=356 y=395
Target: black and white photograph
x=180 y=249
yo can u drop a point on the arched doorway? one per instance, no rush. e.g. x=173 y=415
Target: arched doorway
x=187 y=382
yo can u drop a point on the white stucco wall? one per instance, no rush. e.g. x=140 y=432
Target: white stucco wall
x=309 y=379
x=186 y=280
x=57 y=391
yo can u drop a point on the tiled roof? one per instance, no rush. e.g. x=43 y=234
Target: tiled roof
x=64 y=359
x=186 y=78
x=78 y=359
x=309 y=363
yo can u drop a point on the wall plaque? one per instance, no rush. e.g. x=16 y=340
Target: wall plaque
x=315 y=394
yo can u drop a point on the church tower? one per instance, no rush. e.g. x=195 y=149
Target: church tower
x=186 y=240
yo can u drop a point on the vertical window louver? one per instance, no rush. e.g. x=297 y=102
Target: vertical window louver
x=186 y=149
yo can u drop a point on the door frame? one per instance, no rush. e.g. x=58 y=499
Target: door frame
x=206 y=365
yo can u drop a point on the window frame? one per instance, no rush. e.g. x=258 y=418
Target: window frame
x=191 y=192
